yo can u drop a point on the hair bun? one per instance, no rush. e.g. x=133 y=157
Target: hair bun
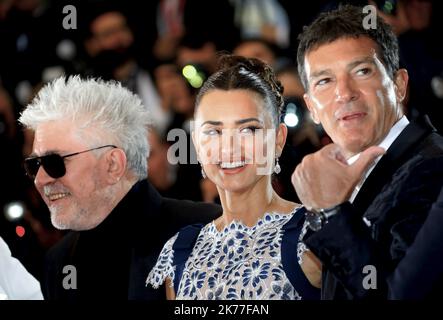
x=256 y=66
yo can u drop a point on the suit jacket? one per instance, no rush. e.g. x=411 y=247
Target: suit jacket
x=112 y=261
x=395 y=200
x=420 y=273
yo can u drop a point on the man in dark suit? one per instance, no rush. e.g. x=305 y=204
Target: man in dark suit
x=369 y=193
x=89 y=165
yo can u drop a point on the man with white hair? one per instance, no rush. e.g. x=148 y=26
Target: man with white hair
x=89 y=165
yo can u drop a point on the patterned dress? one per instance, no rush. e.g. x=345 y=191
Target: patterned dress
x=238 y=262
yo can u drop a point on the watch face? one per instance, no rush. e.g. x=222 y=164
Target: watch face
x=314 y=220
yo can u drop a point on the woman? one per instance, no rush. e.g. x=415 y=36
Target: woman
x=249 y=251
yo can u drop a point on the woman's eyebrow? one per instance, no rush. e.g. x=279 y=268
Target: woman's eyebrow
x=214 y=123
x=241 y=121
x=248 y=120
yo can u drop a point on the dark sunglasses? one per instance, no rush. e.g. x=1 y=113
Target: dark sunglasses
x=54 y=164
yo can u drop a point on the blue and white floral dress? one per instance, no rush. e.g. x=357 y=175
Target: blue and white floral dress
x=238 y=262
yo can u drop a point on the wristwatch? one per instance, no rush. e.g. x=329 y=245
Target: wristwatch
x=316 y=219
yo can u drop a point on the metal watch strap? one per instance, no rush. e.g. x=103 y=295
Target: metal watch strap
x=330 y=212
x=317 y=219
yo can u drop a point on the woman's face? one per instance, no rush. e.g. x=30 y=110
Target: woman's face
x=235 y=138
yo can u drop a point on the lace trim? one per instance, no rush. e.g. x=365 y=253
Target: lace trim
x=301 y=246
x=163 y=268
x=267 y=218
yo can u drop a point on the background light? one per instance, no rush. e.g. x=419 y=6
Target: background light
x=20 y=231
x=193 y=76
x=291 y=118
x=196 y=81
x=189 y=71
x=14 y=211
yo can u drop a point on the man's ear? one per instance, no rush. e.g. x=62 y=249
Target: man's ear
x=280 y=139
x=311 y=108
x=115 y=162
x=401 y=84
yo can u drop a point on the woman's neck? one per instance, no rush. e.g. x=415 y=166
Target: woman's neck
x=250 y=205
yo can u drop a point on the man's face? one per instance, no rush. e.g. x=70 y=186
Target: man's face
x=351 y=94
x=110 y=32
x=79 y=199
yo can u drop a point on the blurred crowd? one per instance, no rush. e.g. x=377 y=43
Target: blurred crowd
x=147 y=46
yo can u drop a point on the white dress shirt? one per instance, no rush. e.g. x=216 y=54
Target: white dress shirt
x=395 y=131
x=15 y=282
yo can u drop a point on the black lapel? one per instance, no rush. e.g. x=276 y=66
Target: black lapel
x=398 y=153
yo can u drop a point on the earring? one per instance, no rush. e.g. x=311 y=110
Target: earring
x=277 y=168
x=203 y=172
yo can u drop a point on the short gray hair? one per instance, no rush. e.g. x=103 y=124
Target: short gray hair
x=102 y=105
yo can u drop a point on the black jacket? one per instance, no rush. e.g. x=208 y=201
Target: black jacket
x=419 y=275
x=112 y=261
x=395 y=199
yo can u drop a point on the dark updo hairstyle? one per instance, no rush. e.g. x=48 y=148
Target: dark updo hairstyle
x=237 y=72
